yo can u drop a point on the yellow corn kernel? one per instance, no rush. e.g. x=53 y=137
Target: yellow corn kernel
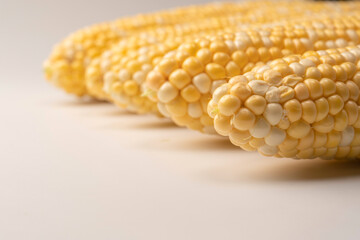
x=228 y=105
x=193 y=66
x=190 y=93
x=256 y=104
x=215 y=71
x=179 y=78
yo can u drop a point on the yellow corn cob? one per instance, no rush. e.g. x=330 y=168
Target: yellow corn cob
x=299 y=106
x=135 y=51
x=66 y=65
x=127 y=91
x=124 y=83
x=200 y=67
x=118 y=75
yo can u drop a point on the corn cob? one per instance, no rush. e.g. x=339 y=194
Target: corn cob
x=299 y=106
x=119 y=74
x=145 y=48
x=66 y=65
x=200 y=67
x=127 y=91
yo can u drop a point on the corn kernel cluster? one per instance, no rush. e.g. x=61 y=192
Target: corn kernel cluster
x=266 y=75
x=298 y=106
x=199 y=67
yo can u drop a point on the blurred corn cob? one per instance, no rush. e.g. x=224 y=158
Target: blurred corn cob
x=69 y=59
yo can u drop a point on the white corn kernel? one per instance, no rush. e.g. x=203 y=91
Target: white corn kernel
x=139 y=77
x=347 y=136
x=202 y=82
x=262 y=69
x=260 y=129
x=216 y=84
x=162 y=109
x=352 y=35
x=307 y=63
x=273 y=95
x=219 y=92
x=268 y=150
x=167 y=92
x=195 y=110
x=349 y=57
x=298 y=68
x=124 y=75
x=273 y=113
x=109 y=77
x=259 y=87
x=275 y=137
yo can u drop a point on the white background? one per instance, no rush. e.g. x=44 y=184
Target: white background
x=73 y=169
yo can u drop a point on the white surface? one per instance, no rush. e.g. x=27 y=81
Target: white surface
x=71 y=169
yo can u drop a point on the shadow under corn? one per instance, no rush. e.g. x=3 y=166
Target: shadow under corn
x=92 y=107
x=154 y=124
x=237 y=170
x=80 y=102
x=206 y=143
x=286 y=170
